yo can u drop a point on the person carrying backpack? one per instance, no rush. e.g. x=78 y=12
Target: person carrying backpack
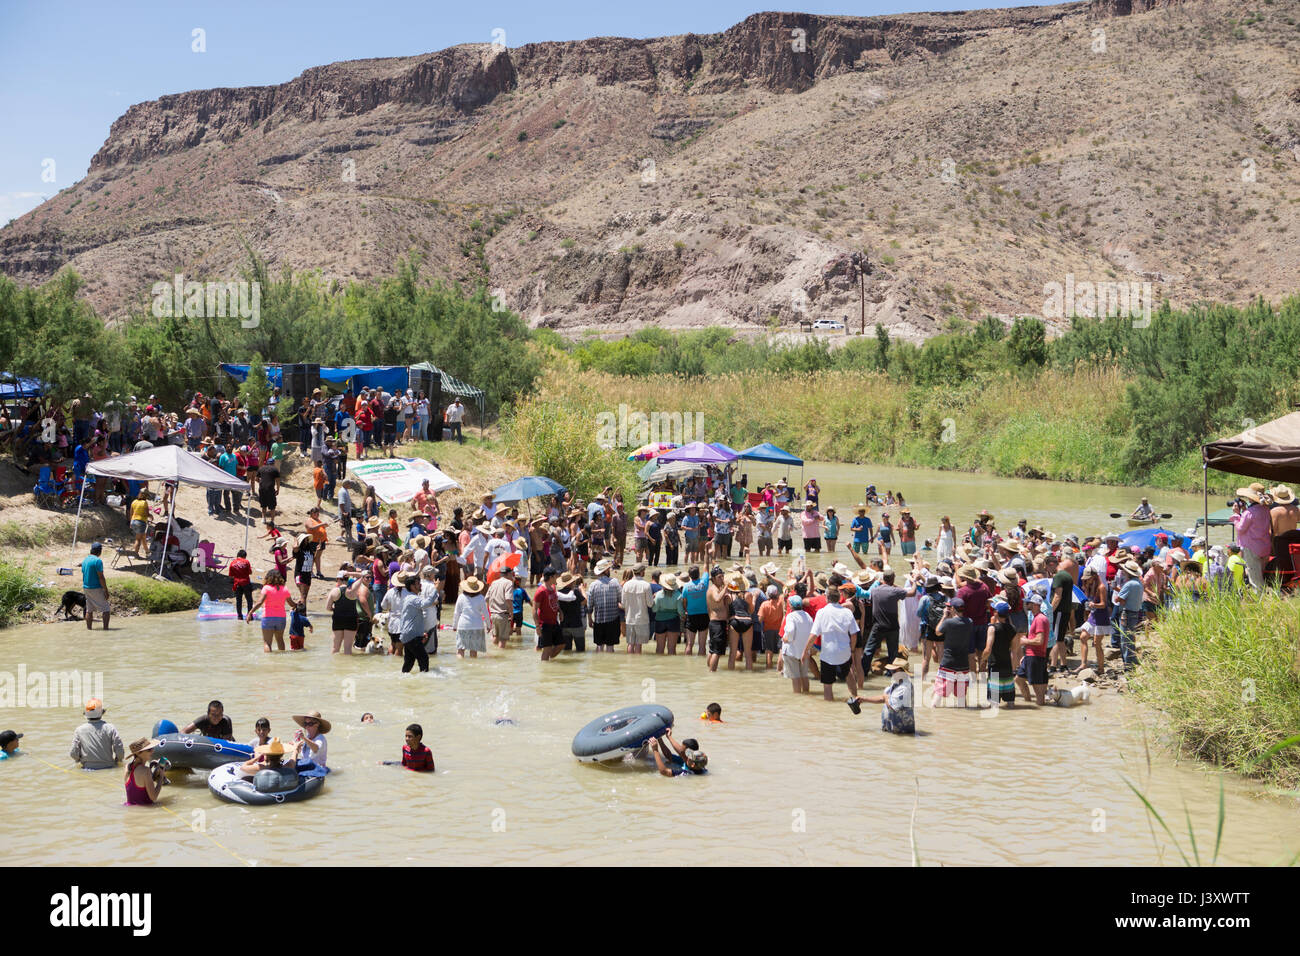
x=937 y=593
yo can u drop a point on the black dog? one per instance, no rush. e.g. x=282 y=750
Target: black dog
x=72 y=599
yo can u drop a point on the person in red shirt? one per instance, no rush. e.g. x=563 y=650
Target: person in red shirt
x=415 y=755
x=364 y=420
x=546 y=616
x=241 y=582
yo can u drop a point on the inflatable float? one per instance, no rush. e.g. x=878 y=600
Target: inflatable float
x=266 y=786
x=210 y=610
x=193 y=751
x=612 y=736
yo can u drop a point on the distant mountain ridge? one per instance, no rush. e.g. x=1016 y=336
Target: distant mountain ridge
x=725 y=178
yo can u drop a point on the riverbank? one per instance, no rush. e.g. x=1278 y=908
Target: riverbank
x=37 y=541
x=1054 y=425
x=1225 y=675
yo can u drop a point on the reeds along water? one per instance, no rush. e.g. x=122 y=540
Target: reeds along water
x=1064 y=426
x=1224 y=674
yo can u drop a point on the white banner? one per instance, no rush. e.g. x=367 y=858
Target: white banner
x=398 y=479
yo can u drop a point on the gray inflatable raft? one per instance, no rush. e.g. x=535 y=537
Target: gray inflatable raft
x=266 y=787
x=620 y=732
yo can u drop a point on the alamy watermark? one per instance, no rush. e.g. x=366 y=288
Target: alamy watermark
x=44 y=689
x=208 y=300
x=1098 y=299
x=623 y=429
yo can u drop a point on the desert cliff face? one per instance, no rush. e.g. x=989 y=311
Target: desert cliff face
x=726 y=178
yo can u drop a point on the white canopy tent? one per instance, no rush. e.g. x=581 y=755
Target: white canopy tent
x=163 y=463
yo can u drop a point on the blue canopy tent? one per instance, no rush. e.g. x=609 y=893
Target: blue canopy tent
x=771 y=453
x=16 y=388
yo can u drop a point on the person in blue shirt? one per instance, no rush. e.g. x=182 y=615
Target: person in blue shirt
x=1128 y=609
x=695 y=606
x=94 y=586
x=691 y=534
x=518 y=598
x=861 y=528
x=299 y=624
x=830 y=528
x=682 y=758
x=9 y=744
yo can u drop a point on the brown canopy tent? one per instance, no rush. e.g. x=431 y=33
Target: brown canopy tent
x=1270 y=451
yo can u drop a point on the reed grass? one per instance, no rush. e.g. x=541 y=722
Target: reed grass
x=1223 y=673
x=1057 y=425
x=152 y=596
x=19 y=586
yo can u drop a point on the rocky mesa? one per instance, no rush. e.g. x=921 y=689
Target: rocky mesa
x=727 y=179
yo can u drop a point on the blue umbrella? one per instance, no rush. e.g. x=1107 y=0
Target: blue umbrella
x=532 y=486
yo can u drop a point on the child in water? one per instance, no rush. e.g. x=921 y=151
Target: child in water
x=298 y=622
x=263 y=730
x=712 y=713
x=415 y=755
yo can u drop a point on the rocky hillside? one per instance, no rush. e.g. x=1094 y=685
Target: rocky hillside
x=725 y=178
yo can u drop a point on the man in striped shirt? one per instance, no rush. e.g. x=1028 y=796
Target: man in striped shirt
x=603 y=604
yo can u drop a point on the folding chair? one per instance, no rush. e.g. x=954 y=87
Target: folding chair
x=1292 y=577
x=46 y=491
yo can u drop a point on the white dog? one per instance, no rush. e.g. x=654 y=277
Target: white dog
x=1069 y=696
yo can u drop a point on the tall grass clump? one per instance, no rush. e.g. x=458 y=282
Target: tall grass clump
x=1058 y=424
x=18 y=586
x=152 y=596
x=1224 y=674
x=559 y=441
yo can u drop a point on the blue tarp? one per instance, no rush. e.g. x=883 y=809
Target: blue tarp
x=769 y=452
x=1146 y=537
x=390 y=378
x=22 y=388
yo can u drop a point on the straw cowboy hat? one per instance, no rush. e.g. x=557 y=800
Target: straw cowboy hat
x=372 y=524
x=603 y=565
x=669 y=581
x=273 y=748
x=568 y=579
x=471 y=585
x=968 y=573
x=142 y=745
x=1008 y=576
x=864 y=578
x=1282 y=495
x=421 y=541
x=769 y=569
x=735 y=582
x=1253 y=493
x=325 y=725
x=861 y=508
x=897 y=664
x=1132 y=567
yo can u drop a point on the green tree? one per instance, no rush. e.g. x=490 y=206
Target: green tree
x=255 y=390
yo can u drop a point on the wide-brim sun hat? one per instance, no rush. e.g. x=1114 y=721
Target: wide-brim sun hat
x=471 y=585
x=603 y=565
x=270 y=748
x=669 y=581
x=325 y=726
x=143 y=745
x=1282 y=495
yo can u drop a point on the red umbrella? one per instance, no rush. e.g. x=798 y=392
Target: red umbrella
x=503 y=562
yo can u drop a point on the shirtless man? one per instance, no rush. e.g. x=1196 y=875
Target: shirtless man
x=718 y=608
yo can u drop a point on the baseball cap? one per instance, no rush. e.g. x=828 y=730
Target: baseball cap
x=957 y=604
x=1002 y=607
x=94 y=708
x=1033 y=597
x=7 y=737
x=796 y=601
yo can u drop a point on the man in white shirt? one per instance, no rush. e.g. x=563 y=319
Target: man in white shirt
x=477 y=546
x=456 y=415
x=835 y=625
x=795 y=634
x=495 y=547
x=637 y=595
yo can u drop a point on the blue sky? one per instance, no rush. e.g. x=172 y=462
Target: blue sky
x=67 y=70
